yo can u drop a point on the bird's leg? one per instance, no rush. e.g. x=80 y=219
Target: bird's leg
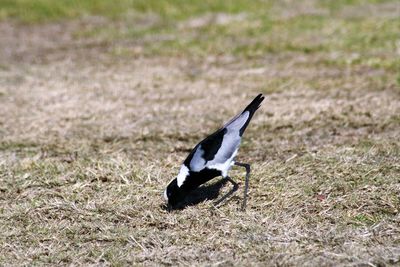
x=246 y=185
x=235 y=187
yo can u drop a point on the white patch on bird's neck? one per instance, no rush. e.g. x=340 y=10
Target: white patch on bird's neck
x=183 y=173
x=165 y=195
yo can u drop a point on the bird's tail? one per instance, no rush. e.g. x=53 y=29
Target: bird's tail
x=255 y=104
x=251 y=108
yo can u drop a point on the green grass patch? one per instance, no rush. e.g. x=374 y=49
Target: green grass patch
x=365 y=41
x=48 y=10
x=369 y=42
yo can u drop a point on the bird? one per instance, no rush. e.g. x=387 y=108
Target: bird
x=213 y=157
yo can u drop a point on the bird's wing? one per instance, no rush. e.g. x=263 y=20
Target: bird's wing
x=196 y=162
x=230 y=141
x=205 y=151
x=219 y=147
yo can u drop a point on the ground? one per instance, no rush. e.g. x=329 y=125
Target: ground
x=100 y=104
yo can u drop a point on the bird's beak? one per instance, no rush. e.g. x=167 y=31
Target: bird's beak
x=169 y=207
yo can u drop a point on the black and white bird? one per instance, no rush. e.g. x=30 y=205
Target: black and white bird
x=213 y=157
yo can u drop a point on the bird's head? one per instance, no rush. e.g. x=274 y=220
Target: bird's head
x=173 y=194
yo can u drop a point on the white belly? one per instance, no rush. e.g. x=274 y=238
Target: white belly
x=225 y=167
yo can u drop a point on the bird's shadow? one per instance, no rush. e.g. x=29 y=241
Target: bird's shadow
x=201 y=194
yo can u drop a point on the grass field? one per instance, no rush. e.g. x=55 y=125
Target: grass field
x=100 y=103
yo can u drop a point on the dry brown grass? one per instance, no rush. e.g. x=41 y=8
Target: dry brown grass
x=89 y=139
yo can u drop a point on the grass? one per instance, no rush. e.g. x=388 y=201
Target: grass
x=46 y=10
x=234 y=27
x=100 y=103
